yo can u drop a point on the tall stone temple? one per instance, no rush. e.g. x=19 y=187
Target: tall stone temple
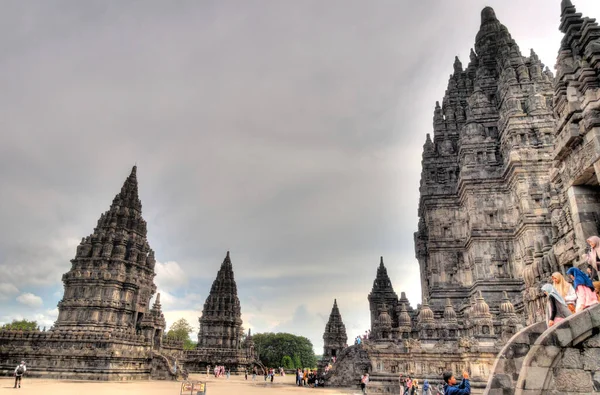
x=106 y=328
x=220 y=336
x=111 y=279
x=509 y=193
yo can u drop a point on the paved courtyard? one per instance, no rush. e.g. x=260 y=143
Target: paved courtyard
x=235 y=385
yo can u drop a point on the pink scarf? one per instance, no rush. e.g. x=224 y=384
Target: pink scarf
x=595 y=251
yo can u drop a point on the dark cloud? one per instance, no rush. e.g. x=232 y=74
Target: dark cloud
x=287 y=132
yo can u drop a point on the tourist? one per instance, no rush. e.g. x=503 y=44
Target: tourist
x=299 y=377
x=401 y=383
x=426 y=388
x=591 y=273
x=408 y=386
x=272 y=372
x=246 y=374
x=415 y=387
x=305 y=377
x=254 y=372
x=207 y=370
x=19 y=372
x=228 y=373
x=565 y=290
x=556 y=309
x=584 y=288
x=593 y=256
x=450 y=387
x=363 y=382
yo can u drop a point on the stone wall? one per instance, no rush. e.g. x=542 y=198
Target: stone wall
x=76 y=355
x=237 y=360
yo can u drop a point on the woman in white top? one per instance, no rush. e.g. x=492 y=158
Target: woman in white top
x=565 y=290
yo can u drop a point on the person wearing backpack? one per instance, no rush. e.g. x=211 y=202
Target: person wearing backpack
x=19 y=372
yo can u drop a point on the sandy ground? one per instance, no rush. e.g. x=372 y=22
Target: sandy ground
x=235 y=385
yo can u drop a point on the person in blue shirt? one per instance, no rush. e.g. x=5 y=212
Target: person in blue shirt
x=450 y=387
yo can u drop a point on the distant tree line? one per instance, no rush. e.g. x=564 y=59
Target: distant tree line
x=23 y=325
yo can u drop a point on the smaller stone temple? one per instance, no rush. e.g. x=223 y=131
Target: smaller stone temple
x=334 y=338
x=220 y=339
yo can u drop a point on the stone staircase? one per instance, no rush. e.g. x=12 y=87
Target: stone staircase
x=563 y=359
x=163 y=367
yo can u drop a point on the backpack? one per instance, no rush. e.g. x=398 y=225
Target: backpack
x=20 y=370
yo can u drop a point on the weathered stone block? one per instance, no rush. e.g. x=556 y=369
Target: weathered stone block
x=534 y=377
x=591 y=359
x=593 y=341
x=595 y=315
x=580 y=323
x=573 y=380
x=564 y=336
x=571 y=359
x=543 y=356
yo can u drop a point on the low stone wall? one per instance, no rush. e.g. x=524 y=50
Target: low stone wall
x=236 y=360
x=507 y=367
x=78 y=355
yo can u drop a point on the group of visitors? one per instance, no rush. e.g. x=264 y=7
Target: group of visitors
x=408 y=386
x=219 y=371
x=269 y=374
x=308 y=378
x=565 y=299
x=359 y=339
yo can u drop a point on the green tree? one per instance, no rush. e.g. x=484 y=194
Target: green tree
x=180 y=330
x=189 y=345
x=272 y=347
x=287 y=362
x=23 y=325
x=297 y=362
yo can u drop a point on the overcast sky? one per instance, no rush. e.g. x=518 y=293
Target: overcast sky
x=288 y=132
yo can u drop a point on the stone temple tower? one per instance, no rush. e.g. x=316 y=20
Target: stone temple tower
x=334 y=338
x=221 y=321
x=111 y=280
x=483 y=210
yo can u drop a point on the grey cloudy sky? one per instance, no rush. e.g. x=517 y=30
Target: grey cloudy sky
x=288 y=132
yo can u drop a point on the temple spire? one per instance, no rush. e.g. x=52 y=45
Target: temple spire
x=334 y=337
x=221 y=321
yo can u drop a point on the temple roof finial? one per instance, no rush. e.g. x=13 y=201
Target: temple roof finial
x=457 y=65
x=564 y=4
x=488 y=15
